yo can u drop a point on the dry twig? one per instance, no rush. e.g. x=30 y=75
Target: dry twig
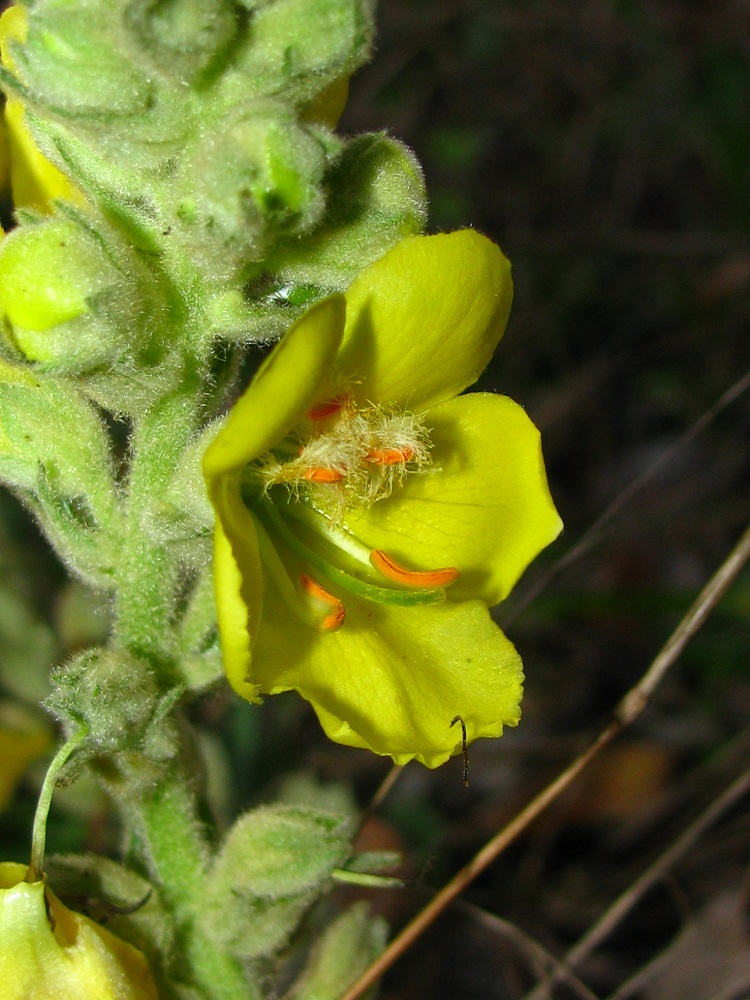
x=655 y=871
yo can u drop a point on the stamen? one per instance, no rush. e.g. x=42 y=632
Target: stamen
x=335 y=618
x=319 y=474
x=391 y=570
x=322 y=410
x=389 y=456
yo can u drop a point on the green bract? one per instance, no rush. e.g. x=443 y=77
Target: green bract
x=352 y=485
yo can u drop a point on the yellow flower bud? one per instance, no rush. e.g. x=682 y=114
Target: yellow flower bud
x=48 y=952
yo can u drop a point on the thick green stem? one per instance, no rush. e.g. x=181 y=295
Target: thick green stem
x=164 y=821
x=177 y=852
x=147 y=577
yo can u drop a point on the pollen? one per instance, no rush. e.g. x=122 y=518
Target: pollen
x=322 y=410
x=346 y=455
x=389 y=456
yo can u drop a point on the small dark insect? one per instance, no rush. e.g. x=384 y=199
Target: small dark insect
x=463 y=748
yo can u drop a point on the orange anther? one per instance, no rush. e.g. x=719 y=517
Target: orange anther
x=319 y=474
x=335 y=618
x=390 y=456
x=322 y=410
x=390 y=569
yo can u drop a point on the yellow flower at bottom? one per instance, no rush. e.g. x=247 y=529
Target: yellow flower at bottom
x=368 y=512
x=48 y=952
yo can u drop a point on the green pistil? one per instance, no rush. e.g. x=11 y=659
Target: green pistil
x=267 y=512
x=323 y=524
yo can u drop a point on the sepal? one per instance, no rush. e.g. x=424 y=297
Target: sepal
x=331 y=38
x=274 y=863
x=342 y=953
x=253 y=176
x=377 y=196
x=184 y=39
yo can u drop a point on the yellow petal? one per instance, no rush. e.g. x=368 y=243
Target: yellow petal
x=484 y=506
x=328 y=106
x=34 y=181
x=281 y=391
x=63 y=955
x=238 y=582
x=423 y=321
x=391 y=680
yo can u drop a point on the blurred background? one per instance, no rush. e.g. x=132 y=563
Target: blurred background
x=605 y=145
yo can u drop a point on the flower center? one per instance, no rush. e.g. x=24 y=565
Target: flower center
x=341 y=456
x=345 y=456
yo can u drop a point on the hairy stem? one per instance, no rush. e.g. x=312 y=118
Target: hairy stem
x=175 y=846
x=39 y=832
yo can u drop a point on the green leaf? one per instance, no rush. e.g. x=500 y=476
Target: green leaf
x=276 y=860
x=346 y=948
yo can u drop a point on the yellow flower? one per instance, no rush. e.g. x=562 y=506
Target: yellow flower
x=48 y=952
x=367 y=514
x=34 y=181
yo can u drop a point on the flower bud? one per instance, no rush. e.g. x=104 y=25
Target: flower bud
x=47 y=950
x=377 y=196
x=298 y=47
x=253 y=179
x=65 y=64
x=58 y=289
x=182 y=38
x=115 y=696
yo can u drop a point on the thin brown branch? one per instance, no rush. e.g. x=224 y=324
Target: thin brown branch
x=642 y=977
x=738 y=990
x=540 y=958
x=628 y=710
x=654 y=873
x=394 y=773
